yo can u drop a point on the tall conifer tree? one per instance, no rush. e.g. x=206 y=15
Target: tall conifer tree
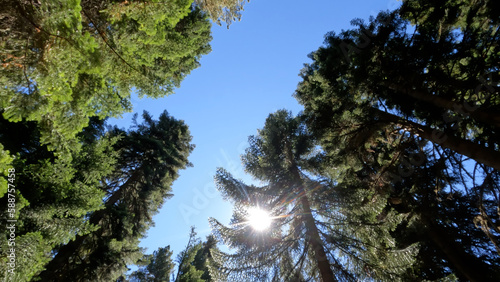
x=53 y=196
x=425 y=78
x=156 y=267
x=308 y=237
x=65 y=62
x=150 y=155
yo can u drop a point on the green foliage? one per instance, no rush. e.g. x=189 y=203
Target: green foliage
x=156 y=267
x=149 y=156
x=86 y=196
x=187 y=270
x=5 y=164
x=91 y=209
x=404 y=108
x=31 y=250
x=192 y=262
x=204 y=257
x=222 y=10
x=416 y=75
x=64 y=63
x=315 y=215
x=392 y=199
x=53 y=196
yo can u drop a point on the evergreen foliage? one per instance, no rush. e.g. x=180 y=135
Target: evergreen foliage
x=404 y=182
x=406 y=104
x=66 y=62
x=53 y=196
x=222 y=10
x=391 y=173
x=150 y=155
x=192 y=263
x=156 y=267
x=312 y=235
x=5 y=163
x=85 y=194
x=204 y=257
x=82 y=218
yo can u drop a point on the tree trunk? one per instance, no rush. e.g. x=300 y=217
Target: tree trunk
x=465 y=264
x=311 y=228
x=464 y=147
x=315 y=241
x=487 y=117
x=57 y=268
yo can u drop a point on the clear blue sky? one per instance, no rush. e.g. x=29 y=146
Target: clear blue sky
x=251 y=72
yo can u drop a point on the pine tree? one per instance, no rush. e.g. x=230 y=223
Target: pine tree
x=204 y=256
x=192 y=262
x=222 y=10
x=271 y=157
x=186 y=270
x=66 y=62
x=448 y=94
x=53 y=197
x=150 y=156
x=309 y=237
x=413 y=106
x=157 y=268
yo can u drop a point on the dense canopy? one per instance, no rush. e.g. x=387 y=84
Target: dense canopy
x=390 y=173
x=66 y=62
x=402 y=116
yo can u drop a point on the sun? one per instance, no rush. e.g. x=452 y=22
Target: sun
x=259 y=219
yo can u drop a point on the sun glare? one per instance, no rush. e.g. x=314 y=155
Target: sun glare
x=259 y=219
